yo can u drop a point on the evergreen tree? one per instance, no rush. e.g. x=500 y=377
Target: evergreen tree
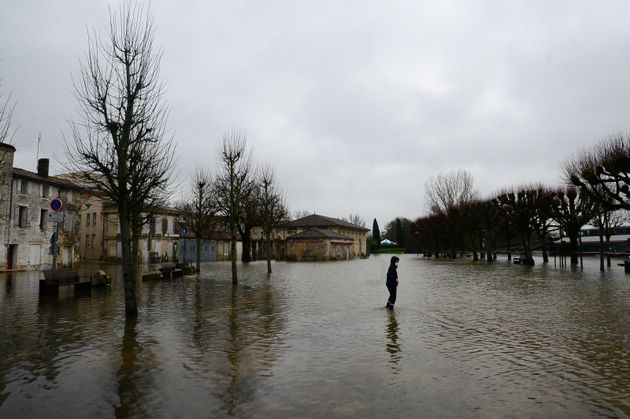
x=376 y=232
x=400 y=236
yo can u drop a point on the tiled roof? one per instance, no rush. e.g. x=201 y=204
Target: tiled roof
x=51 y=180
x=316 y=233
x=316 y=220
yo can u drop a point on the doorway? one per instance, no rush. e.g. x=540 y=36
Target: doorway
x=11 y=256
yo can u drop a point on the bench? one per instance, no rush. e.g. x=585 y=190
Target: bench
x=55 y=278
x=169 y=271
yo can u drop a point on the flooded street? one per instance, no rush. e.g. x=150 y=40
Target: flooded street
x=465 y=340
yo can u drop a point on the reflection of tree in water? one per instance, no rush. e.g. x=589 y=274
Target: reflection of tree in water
x=249 y=339
x=254 y=326
x=134 y=375
x=392 y=346
x=40 y=334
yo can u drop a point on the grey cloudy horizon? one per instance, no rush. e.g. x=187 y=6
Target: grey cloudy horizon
x=357 y=103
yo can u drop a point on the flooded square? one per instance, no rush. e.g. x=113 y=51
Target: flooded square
x=314 y=340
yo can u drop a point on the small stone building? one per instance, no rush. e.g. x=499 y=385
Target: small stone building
x=317 y=237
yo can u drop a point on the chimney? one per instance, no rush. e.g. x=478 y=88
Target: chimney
x=42 y=167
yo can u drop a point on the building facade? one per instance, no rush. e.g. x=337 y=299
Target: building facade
x=317 y=237
x=27 y=222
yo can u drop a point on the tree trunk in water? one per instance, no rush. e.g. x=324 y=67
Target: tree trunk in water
x=268 y=251
x=233 y=258
x=131 y=305
x=545 y=253
x=198 y=264
x=247 y=247
x=574 y=250
x=527 y=251
x=601 y=252
x=608 y=251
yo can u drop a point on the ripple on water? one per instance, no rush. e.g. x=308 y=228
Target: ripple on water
x=314 y=340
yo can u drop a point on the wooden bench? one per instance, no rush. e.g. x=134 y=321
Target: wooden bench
x=53 y=279
x=169 y=271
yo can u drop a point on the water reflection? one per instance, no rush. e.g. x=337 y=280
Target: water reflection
x=392 y=346
x=134 y=375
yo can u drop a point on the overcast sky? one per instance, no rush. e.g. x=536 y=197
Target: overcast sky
x=354 y=103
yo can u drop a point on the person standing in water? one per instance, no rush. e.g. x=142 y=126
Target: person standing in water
x=392 y=281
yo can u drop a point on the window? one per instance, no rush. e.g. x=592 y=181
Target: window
x=93 y=241
x=87 y=219
x=226 y=248
x=164 y=225
x=22 y=216
x=69 y=197
x=45 y=191
x=87 y=241
x=43 y=219
x=24 y=186
x=94 y=219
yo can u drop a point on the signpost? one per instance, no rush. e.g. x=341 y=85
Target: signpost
x=56 y=204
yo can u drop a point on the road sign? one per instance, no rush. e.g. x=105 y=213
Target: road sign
x=183 y=231
x=55 y=217
x=56 y=204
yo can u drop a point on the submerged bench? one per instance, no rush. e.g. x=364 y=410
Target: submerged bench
x=170 y=270
x=53 y=279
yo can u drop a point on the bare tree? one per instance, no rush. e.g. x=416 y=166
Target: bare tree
x=198 y=211
x=356 y=220
x=300 y=214
x=447 y=190
x=520 y=204
x=230 y=185
x=250 y=218
x=607 y=221
x=7 y=106
x=121 y=147
x=603 y=172
x=273 y=209
x=573 y=209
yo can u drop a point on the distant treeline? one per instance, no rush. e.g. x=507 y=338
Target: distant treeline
x=596 y=191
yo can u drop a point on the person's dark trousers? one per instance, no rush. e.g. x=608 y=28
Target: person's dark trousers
x=392 y=295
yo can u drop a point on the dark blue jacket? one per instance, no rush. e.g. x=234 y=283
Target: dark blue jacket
x=392 y=275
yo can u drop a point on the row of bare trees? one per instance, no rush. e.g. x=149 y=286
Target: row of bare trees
x=123 y=150
x=237 y=199
x=459 y=220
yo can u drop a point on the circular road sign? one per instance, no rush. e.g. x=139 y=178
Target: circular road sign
x=56 y=204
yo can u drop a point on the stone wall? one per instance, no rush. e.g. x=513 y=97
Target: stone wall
x=307 y=250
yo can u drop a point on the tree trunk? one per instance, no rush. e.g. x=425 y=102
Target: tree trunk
x=247 y=246
x=268 y=251
x=545 y=252
x=608 y=251
x=601 y=251
x=131 y=306
x=233 y=258
x=198 y=264
x=527 y=251
x=573 y=242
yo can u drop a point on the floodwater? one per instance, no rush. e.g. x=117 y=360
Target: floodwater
x=465 y=340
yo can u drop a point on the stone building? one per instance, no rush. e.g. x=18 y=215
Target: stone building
x=317 y=237
x=26 y=226
x=159 y=240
